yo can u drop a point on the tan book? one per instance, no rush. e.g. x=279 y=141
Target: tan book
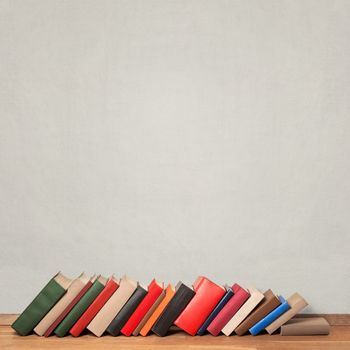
x=255 y=298
x=112 y=307
x=296 y=303
x=306 y=326
x=73 y=290
x=149 y=313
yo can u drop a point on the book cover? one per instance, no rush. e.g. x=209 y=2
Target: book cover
x=42 y=304
x=113 y=305
x=111 y=286
x=229 y=310
x=63 y=328
x=148 y=314
x=296 y=303
x=306 y=326
x=73 y=290
x=169 y=293
x=69 y=307
x=207 y=296
x=154 y=291
x=269 y=318
x=128 y=309
x=177 y=304
x=228 y=295
x=255 y=298
x=269 y=303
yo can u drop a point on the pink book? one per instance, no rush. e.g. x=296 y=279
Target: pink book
x=228 y=311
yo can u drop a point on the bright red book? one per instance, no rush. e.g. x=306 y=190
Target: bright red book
x=111 y=286
x=154 y=291
x=229 y=310
x=207 y=296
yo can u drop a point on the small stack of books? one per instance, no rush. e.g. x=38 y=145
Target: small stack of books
x=123 y=306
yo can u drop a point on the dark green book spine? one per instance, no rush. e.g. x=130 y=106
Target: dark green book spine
x=63 y=328
x=38 y=308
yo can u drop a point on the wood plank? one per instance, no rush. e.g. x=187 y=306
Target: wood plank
x=339 y=339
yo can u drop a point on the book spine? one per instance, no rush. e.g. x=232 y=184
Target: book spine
x=73 y=316
x=38 y=308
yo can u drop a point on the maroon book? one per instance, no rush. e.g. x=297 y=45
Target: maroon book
x=229 y=310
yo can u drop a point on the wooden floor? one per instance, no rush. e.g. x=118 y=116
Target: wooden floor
x=339 y=339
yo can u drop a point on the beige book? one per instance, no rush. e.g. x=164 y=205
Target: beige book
x=149 y=314
x=73 y=290
x=306 y=326
x=255 y=297
x=296 y=303
x=112 y=307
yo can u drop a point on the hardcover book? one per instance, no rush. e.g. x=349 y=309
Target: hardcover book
x=177 y=304
x=154 y=291
x=169 y=293
x=42 y=304
x=128 y=309
x=80 y=307
x=228 y=295
x=148 y=314
x=269 y=303
x=296 y=303
x=73 y=290
x=113 y=305
x=69 y=307
x=269 y=318
x=111 y=286
x=207 y=296
x=229 y=310
x=255 y=298
x=306 y=326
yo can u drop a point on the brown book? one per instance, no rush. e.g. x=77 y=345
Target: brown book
x=306 y=326
x=72 y=291
x=296 y=303
x=269 y=303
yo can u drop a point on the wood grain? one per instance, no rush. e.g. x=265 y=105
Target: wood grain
x=339 y=339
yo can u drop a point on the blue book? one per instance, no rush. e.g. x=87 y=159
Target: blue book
x=214 y=313
x=273 y=315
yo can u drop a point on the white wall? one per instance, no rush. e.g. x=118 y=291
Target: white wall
x=176 y=138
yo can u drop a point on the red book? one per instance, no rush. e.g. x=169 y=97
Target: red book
x=228 y=311
x=207 y=296
x=111 y=286
x=154 y=291
x=68 y=308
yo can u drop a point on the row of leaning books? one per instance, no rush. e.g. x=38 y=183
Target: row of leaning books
x=122 y=306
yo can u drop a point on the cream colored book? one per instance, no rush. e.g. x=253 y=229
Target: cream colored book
x=255 y=297
x=149 y=314
x=113 y=305
x=73 y=290
x=296 y=303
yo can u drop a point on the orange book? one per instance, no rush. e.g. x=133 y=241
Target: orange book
x=169 y=293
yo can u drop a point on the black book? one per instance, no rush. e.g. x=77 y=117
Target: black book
x=127 y=310
x=177 y=304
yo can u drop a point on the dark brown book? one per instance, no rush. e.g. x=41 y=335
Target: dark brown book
x=269 y=303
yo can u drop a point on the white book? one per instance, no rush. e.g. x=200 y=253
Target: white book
x=255 y=297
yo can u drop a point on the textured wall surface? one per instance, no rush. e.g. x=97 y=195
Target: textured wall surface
x=176 y=138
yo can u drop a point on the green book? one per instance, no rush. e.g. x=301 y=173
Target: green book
x=80 y=307
x=41 y=305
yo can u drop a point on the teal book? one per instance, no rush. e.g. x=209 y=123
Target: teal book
x=80 y=307
x=42 y=304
